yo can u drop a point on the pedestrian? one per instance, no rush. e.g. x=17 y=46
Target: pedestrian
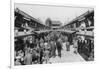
x=67 y=46
x=28 y=58
x=59 y=47
x=41 y=52
x=46 y=53
x=53 y=48
x=75 y=46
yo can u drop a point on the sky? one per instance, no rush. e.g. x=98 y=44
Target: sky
x=57 y=13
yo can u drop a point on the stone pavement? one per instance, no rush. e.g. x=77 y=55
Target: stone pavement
x=67 y=56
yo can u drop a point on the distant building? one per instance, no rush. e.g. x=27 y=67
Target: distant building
x=48 y=22
x=53 y=24
x=56 y=24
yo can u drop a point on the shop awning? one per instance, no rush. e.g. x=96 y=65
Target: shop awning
x=86 y=33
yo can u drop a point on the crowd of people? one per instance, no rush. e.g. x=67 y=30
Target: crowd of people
x=30 y=50
x=86 y=48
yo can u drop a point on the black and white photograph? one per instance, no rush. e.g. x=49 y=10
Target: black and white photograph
x=49 y=34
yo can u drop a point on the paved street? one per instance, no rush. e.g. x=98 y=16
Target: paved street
x=67 y=56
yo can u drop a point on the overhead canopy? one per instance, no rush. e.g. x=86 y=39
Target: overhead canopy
x=23 y=34
x=86 y=33
x=60 y=30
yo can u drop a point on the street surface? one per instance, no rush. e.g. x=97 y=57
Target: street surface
x=67 y=56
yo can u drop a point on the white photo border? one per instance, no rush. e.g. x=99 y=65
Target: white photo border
x=12 y=37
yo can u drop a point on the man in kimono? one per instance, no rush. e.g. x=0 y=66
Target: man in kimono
x=59 y=47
